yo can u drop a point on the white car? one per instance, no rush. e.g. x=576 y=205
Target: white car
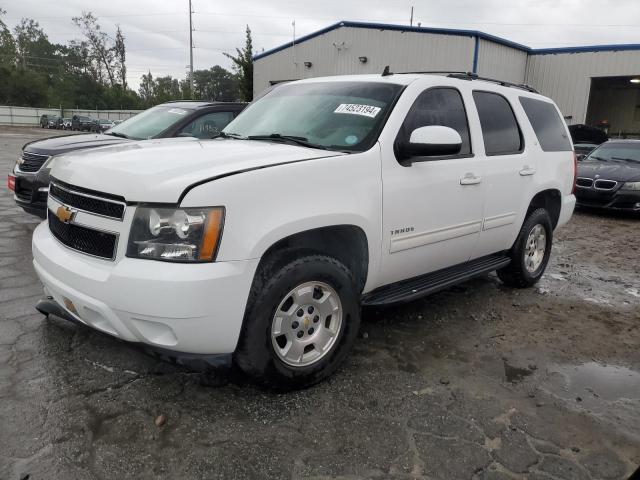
x=324 y=195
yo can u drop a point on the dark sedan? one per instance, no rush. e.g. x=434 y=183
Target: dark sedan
x=30 y=178
x=609 y=177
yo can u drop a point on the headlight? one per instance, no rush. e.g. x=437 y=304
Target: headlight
x=630 y=186
x=176 y=234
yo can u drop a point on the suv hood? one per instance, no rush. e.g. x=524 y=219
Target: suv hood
x=68 y=143
x=160 y=170
x=619 y=172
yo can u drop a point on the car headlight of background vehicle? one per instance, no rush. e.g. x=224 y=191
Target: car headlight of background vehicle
x=176 y=234
x=630 y=186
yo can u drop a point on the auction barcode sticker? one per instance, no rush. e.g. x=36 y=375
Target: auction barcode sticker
x=355 y=109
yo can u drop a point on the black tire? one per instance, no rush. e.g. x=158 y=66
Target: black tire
x=516 y=273
x=255 y=354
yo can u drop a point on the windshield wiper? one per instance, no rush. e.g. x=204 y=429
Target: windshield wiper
x=303 y=141
x=118 y=134
x=597 y=158
x=237 y=136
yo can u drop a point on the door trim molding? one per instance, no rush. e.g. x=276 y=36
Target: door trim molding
x=414 y=240
x=499 y=220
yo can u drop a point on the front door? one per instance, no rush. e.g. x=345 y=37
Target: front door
x=432 y=207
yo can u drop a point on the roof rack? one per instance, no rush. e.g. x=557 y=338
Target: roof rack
x=467 y=76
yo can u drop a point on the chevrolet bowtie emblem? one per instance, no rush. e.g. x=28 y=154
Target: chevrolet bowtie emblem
x=65 y=214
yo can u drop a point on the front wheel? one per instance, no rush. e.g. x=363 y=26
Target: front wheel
x=300 y=323
x=530 y=253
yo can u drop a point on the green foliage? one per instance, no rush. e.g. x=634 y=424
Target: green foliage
x=243 y=65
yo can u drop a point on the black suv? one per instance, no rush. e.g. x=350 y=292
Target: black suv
x=173 y=119
x=81 y=123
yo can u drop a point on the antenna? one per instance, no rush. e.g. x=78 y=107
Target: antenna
x=386 y=72
x=293 y=44
x=411 y=21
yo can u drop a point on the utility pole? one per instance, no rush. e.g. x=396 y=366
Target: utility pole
x=190 y=49
x=411 y=21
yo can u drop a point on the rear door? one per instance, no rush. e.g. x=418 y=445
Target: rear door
x=509 y=170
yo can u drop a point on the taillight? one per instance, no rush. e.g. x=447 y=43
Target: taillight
x=11 y=183
x=575 y=172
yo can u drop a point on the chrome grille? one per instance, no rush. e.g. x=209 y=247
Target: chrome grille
x=31 y=162
x=584 y=182
x=80 y=200
x=601 y=184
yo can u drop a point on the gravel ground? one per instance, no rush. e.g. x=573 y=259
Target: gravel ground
x=477 y=382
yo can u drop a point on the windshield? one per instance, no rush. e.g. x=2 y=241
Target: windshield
x=616 y=152
x=150 y=123
x=331 y=115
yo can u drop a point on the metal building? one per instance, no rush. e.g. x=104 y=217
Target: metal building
x=597 y=85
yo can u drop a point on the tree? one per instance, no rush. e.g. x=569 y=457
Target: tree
x=216 y=84
x=28 y=35
x=146 y=90
x=98 y=40
x=7 y=44
x=243 y=65
x=165 y=89
x=120 y=55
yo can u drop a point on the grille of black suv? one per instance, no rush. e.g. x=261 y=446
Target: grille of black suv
x=605 y=184
x=87 y=202
x=31 y=162
x=584 y=182
x=83 y=239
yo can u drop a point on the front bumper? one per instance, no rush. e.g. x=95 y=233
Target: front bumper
x=186 y=308
x=623 y=200
x=32 y=191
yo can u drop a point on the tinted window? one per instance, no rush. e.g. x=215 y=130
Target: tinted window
x=499 y=126
x=547 y=124
x=207 y=126
x=438 y=106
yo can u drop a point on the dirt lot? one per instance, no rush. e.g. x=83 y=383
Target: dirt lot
x=477 y=382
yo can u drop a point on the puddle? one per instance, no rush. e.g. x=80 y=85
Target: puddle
x=594 y=380
x=515 y=374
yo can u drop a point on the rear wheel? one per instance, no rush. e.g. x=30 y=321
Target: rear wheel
x=530 y=253
x=300 y=323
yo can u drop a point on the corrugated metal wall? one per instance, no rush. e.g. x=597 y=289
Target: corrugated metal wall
x=566 y=77
x=336 y=53
x=501 y=62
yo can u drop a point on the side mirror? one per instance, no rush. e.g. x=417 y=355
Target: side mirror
x=432 y=141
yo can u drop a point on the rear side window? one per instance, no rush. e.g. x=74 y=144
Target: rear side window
x=547 y=124
x=438 y=106
x=499 y=126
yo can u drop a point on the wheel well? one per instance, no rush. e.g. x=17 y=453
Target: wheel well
x=346 y=243
x=550 y=201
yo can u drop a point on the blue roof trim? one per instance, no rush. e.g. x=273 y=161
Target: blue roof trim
x=398 y=28
x=450 y=31
x=587 y=48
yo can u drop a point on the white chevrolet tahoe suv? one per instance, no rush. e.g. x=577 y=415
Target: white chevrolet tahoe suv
x=260 y=246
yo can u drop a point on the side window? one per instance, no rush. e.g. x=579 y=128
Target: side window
x=438 y=106
x=499 y=126
x=207 y=126
x=547 y=124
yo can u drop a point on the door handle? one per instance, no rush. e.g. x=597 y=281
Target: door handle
x=527 y=170
x=470 y=179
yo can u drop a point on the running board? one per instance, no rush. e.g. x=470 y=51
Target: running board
x=408 y=290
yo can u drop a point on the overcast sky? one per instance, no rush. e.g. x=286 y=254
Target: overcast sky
x=157 y=32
